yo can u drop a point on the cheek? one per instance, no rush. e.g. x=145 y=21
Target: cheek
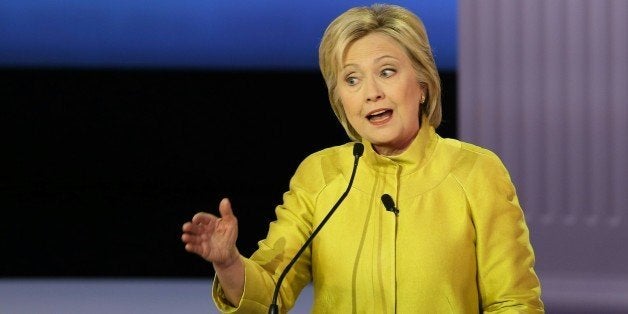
x=412 y=101
x=350 y=105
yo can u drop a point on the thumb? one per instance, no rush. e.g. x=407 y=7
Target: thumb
x=225 y=208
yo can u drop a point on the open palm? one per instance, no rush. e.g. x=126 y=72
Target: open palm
x=211 y=237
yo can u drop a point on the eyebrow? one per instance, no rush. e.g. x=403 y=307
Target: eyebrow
x=376 y=60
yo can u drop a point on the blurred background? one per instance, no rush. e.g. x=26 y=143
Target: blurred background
x=121 y=119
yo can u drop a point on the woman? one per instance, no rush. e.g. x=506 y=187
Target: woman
x=458 y=243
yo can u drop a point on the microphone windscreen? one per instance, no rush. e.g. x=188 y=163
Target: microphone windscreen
x=388 y=202
x=358 y=149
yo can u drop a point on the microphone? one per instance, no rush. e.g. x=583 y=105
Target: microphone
x=358 y=149
x=389 y=204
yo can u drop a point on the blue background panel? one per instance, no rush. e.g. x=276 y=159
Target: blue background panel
x=199 y=34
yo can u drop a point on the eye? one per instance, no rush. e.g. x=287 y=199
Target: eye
x=388 y=72
x=351 y=80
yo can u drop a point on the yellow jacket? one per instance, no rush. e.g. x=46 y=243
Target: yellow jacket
x=460 y=243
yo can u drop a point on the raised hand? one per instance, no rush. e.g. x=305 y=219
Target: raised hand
x=213 y=238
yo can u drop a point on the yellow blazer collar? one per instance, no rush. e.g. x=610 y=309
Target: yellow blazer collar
x=412 y=159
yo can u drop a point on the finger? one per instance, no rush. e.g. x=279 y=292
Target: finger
x=203 y=218
x=192 y=228
x=186 y=238
x=190 y=239
x=225 y=208
x=187 y=227
x=193 y=248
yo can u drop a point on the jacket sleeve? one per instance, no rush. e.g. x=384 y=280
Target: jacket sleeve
x=285 y=236
x=506 y=278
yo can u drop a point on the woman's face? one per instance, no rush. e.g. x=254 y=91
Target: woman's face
x=380 y=93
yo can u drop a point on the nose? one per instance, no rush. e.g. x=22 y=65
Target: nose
x=373 y=90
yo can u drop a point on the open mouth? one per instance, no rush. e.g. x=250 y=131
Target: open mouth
x=379 y=115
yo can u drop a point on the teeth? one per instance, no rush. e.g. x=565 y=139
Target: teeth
x=377 y=112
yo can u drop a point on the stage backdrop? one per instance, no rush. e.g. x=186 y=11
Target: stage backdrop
x=544 y=84
x=121 y=119
x=273 y=34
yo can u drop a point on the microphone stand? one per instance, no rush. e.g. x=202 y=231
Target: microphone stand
x=358 y=149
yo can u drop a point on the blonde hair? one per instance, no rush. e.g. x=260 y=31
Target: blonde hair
x=400 y=24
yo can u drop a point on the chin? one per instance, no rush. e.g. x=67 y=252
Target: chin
x=383 y=143
x=383 y=138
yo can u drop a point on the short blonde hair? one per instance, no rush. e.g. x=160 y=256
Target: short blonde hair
x=400 y=24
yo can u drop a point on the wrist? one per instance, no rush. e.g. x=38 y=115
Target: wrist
x=232 y=262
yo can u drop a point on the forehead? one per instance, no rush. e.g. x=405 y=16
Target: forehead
x=373 y=46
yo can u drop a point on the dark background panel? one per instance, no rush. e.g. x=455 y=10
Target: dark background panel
x=100 y=167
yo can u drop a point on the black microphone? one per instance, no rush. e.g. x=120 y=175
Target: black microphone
x=389 y=204
x=358 y=149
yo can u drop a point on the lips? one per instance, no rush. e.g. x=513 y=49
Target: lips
x=379 y=116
